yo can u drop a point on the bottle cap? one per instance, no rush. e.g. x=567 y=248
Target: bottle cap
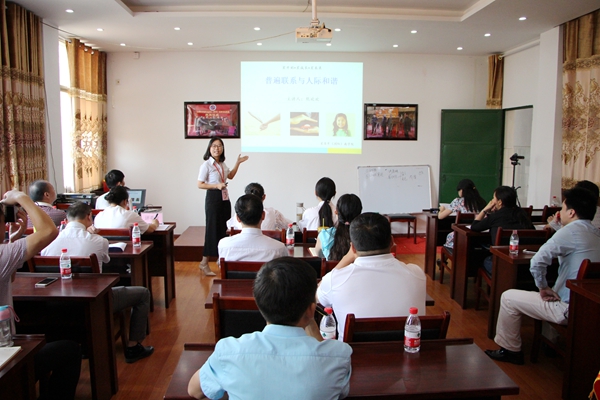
x=514 y=231
x=290 y=225
x=329 y=310
x=135 y=224
x=413 y=310
x=64 y=250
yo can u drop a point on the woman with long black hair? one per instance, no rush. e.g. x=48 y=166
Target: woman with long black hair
x=213 y=178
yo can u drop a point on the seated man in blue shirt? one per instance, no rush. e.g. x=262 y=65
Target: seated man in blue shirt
x=572 y=244
x=282 y=361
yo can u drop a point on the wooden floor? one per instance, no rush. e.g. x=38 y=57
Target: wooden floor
x=187 y=321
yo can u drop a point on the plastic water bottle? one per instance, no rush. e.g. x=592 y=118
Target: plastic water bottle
x=5 y=327
x=289 y=236
x=299 y=211
x=554 y=202
x=513 y=244
x=65 y=265
x=135 y=210
x=136 y=235
x=328 y=325
x=63 y=225
x=412 y=332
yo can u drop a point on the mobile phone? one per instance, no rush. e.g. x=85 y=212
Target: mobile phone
x=10 y=213
x=45 y=282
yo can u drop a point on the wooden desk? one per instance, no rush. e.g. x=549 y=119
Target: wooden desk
x=444 y=369
x=243 y=288
x=189 y=246
x=93 y=292
x=17 y=376
x=583 y=347
x=138 y=259
x=301 y=250
x=435 y=232
x=160 y=258
x=466 y=259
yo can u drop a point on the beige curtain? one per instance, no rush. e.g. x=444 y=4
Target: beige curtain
x=88 y=94
x=495 y=81
x=581 y=100
x=22 y=108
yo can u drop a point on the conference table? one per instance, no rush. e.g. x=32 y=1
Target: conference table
x=443 y=369
x=435 y=233
x=161 y=261
x=93 y=293
x=243 y=288
x=138 y=259
x=583 y=347
x=17 y=376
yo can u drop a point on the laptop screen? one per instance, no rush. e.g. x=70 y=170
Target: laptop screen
x=137 y=197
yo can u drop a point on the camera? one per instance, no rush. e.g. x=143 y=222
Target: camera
x=515 y=157
x=10 y=213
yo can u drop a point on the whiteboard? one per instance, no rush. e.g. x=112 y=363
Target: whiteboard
x=395 y=189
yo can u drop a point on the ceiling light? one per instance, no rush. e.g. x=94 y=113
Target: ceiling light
x=69 y=10
x=413 y=31
x=328 y=44
x=522 y=18
x=123 y=44
x=459 y=48
x=337 y=30
x=100 y=29
x=395 y=45
x=190 y=44
x=487 y=35
x=177 y=28
x=257 y=28
x=259 y=44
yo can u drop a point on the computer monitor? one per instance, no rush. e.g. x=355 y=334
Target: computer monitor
x=137 y=197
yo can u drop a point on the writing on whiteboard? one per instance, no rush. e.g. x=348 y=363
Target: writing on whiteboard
x=392 y=174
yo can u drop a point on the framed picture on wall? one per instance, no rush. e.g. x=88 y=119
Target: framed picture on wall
x=391 y=121
x=206 y=119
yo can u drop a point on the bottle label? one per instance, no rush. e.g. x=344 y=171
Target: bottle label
x=289 y=241
x=328 y=335
x=412 y=339
x=65 y=270
x=137 y=241
x=513 y=248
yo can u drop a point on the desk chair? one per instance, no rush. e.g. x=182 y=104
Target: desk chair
x=96 y=211
x=278 y=235
x=235 y=316
x=530 y=236
x=549 y=211
x=327 y=266
x=50 y=264
x=115 y=233
x=309 y=236
x=587 y=270
x=386 y=329
x=447 y=253
x=528 y=211
x=239 y=269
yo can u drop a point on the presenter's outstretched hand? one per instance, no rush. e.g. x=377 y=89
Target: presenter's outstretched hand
x=241 y=159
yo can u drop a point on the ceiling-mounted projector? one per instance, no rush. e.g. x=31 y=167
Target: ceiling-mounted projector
x=313 y=34
x=316 y=32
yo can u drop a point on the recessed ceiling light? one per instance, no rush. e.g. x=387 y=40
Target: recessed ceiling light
x=100 y=29
x=459 y=48
x=522 y=18
x=337 y=30
x=487 y=35
x=328 y=44
x=177 y=28
x=190 y=44
x=123 y=44
x=69 y=10
x=257 y=28
x=413 y=31
x=259 y=44
x=395 y=45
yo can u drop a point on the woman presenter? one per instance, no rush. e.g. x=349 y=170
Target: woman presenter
x=213 y=177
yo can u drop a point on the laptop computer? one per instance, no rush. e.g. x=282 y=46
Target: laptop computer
x=137 y=197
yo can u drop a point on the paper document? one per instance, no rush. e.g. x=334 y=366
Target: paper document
x=150 y=216
x=6 y=353
x=117 y=247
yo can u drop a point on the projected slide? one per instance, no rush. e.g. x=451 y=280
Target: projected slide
x=302 y=107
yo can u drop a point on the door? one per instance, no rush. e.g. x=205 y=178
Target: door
x=471 y=147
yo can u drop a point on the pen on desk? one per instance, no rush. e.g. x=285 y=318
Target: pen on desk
x=155 y=216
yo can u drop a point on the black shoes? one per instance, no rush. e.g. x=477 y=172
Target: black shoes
x=137 y=352
x=513 y=357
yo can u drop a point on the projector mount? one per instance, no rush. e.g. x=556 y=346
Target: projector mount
x=316 y=32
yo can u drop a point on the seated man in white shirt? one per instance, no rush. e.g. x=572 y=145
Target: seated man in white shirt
x=80 y=243
x=113 y=178
x=250 y=244
x=369 y=281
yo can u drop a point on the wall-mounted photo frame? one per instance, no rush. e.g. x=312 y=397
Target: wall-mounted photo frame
x=206 y=119
x=391 y=121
